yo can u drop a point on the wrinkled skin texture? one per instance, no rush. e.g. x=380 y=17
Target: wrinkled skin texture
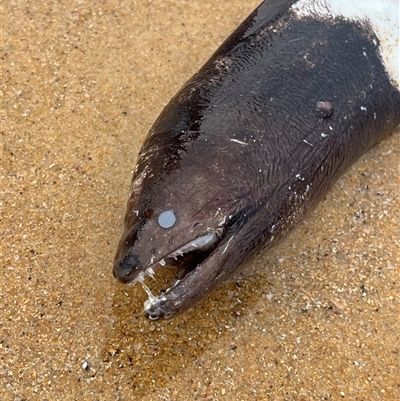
x=252 y=142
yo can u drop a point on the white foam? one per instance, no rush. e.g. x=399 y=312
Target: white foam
x=383 y=16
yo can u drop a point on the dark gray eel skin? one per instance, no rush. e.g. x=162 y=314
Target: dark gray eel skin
x=249 y=145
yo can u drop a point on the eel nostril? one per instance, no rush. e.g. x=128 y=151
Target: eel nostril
x=127 y=264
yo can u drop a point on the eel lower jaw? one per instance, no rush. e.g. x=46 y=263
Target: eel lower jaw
x=196 y=284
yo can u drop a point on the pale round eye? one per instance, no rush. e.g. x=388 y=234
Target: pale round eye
x=166 y=219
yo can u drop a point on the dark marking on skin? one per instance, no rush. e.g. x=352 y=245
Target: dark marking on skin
x=323 y=109
x=249 y=145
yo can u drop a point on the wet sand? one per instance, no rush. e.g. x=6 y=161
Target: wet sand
x=316 y=318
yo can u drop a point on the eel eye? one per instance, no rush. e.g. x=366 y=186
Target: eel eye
x=166 y=219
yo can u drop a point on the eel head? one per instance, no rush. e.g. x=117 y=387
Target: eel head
x=200 y=240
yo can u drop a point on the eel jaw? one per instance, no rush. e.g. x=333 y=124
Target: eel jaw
x=199 y=282
x=187 y=258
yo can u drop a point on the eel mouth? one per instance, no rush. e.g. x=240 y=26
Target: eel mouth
x=186 y=259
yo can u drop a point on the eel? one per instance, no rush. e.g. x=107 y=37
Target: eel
x=293 y=97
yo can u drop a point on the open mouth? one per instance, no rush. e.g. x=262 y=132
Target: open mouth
x=186 y=259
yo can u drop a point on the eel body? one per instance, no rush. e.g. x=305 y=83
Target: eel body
x=293 y=97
